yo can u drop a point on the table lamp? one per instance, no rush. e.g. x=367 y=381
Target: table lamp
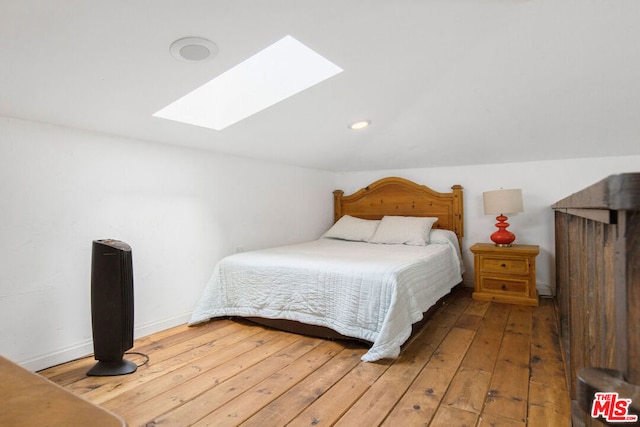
x=500 y=202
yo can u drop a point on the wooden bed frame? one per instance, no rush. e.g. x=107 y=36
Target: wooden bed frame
x=399 y=196
x=387 y=196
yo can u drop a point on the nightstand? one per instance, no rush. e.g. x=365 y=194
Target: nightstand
x=505 y=274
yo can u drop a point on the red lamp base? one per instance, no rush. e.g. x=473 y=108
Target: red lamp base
x=502 y=237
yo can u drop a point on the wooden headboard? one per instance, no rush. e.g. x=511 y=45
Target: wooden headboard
x=399 y=196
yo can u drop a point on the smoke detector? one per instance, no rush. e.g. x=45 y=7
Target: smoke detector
x=193 y=49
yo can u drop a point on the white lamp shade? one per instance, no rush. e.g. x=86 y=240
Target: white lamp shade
x=502 y=201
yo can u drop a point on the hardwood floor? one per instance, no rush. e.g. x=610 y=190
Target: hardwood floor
x=474 y=363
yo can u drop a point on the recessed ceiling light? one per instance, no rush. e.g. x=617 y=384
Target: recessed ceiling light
x=360 y=125
x=268 y=77
x=193 y=49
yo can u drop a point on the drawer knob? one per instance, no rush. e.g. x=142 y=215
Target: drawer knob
x=503 y=265
x=504 y=287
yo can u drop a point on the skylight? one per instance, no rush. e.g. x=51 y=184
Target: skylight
x=268 y=77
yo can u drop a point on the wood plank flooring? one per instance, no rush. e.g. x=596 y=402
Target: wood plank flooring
x=474 y=363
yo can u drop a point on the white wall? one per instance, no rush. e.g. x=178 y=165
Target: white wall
x=542 y=183
x=181 y=210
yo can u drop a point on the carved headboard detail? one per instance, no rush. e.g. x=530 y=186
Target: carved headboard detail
x=399 y=196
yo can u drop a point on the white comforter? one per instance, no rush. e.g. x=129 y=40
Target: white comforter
x=369 y=291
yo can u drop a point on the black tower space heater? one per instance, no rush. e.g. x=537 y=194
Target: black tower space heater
x=111 y=307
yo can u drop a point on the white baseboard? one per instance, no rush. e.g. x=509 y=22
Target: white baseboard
x=58 y=356
x=468 y=283
x=544 y=290
x=85 y=348
x=153 y=327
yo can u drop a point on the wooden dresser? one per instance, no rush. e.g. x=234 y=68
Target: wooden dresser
x=597 y=234
x=505 y=274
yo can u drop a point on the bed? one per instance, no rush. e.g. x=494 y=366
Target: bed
x=392 y=253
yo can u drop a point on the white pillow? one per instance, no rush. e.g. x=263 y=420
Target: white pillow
x=407 y=230
x=352 y=228
x=442 y=236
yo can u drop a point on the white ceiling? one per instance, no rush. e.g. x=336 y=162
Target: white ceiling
x=444 y=82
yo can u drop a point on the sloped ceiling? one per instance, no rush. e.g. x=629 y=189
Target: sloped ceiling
x=444 y=82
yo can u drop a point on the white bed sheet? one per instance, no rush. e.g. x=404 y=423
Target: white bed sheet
x=374 y=292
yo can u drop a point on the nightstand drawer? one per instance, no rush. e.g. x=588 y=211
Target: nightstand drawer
x=504 y=265
x=490 y=284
